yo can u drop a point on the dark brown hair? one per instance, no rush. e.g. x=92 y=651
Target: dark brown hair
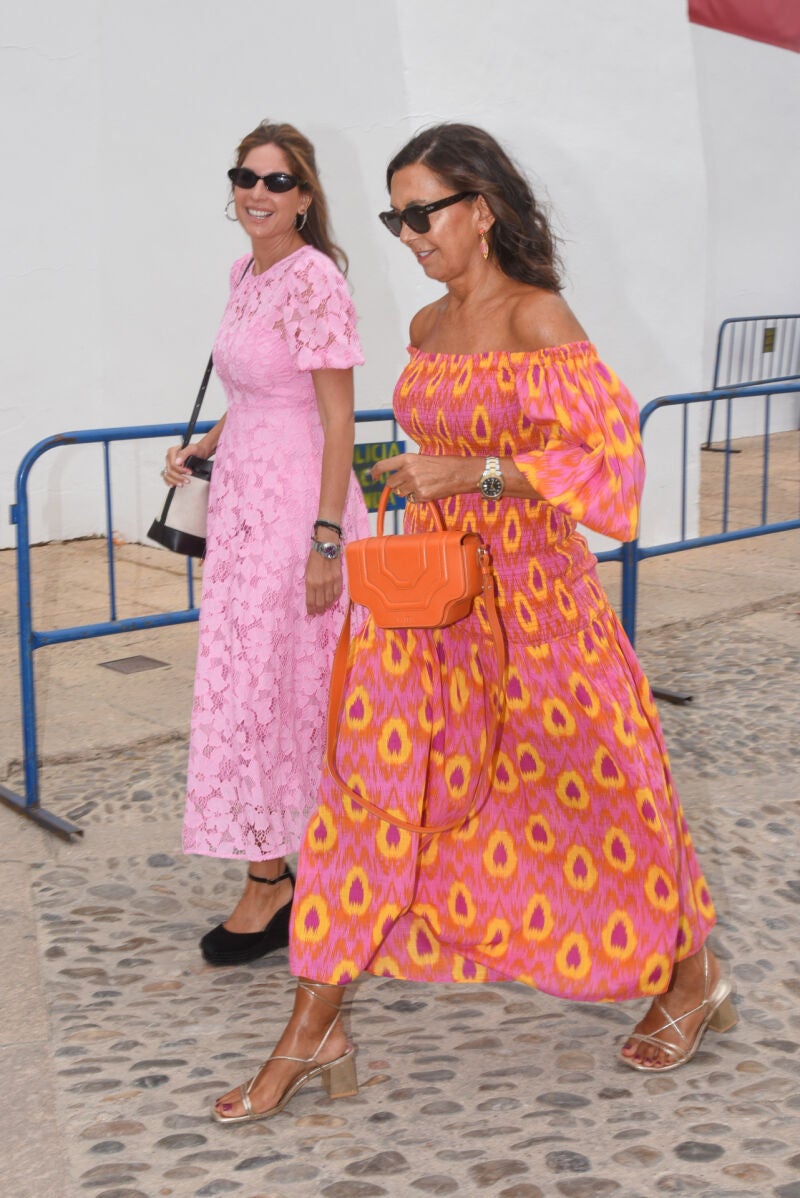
x=302 y=162
x=467 y=158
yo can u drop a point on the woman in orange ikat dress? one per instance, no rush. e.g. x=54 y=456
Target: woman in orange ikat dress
x=577 y=876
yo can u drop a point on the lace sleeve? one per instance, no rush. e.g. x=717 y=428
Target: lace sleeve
x=319 y=320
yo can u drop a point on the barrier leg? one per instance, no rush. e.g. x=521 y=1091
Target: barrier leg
x=47 y=819
x=727 y=447
x=630 y=582
x=630 y=587
x=28 y=804
x=676 y=697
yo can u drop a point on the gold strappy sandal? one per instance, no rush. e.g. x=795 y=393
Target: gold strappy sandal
x=720 y=1015
x=338 y=1076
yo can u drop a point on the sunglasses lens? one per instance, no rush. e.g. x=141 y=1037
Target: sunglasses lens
x=240 y=176
x=417 y=219
x=393 y=222
x=280 y=181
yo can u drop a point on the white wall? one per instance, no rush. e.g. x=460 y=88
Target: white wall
x=118 y=121
x=573 y=90
x=748 y=97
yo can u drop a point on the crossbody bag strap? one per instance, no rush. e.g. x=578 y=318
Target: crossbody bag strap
x=190 y=427
x=198 y=403
x=336 y=705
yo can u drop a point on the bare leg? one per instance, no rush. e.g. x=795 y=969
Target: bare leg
x=258 y=902
x=259 y=923
x=694 y=981
x=314 y=1034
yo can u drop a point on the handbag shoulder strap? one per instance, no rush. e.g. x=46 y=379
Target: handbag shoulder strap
x=336 y=705
x=190 y=427
x=431 y=504
x=198 y=403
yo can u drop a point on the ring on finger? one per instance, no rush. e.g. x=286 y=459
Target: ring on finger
x=410 y=497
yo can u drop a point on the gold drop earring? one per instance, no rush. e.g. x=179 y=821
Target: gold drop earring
x=484 y=244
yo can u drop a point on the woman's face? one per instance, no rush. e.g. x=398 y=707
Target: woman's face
x=267 y=214
x=451 y=244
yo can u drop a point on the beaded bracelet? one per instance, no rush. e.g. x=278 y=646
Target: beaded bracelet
x=328 y=524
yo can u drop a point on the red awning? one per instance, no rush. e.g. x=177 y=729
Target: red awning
x=773 y=21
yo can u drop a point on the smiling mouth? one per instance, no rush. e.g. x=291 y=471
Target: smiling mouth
x=257 y=214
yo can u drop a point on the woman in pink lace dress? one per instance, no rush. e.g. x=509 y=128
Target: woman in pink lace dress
x=576 y=875
x=283 y=498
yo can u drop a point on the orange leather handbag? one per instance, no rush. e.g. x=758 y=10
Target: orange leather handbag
x=417 y=580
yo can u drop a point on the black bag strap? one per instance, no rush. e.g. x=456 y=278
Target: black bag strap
x=198 y=403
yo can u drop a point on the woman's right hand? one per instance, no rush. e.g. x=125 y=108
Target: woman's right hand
x=175 y=474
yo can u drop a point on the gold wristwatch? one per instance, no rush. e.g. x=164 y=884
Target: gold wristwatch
x=492 y=481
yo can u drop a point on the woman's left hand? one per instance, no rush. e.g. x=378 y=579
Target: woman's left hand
x=323 y=582
x=419 y=477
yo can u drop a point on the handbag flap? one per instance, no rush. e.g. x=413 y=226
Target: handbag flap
x=417 y=580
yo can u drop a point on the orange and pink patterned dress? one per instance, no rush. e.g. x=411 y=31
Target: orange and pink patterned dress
x=577 y=875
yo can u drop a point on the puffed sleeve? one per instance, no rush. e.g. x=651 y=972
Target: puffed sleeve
x=319 y=321
x=591 y=464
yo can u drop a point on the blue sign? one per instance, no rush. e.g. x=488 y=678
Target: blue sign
x=364 y=458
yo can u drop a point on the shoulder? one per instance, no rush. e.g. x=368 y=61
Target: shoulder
x=239 y=267
x=312 y=278
x=309 y=263
x=540 y=319
x=424 y=321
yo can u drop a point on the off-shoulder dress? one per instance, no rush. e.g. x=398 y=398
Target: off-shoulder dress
x=578 y=874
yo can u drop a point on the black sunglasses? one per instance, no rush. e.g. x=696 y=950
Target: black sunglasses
x=241 y=176
x=417 y=216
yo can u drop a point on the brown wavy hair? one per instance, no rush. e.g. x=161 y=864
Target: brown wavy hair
x=467 y=158
x=303 y=163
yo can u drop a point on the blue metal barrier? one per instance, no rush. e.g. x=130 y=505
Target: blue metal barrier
x=633 y=553
x=750 y=350
x=31 y=639
x=628 y=555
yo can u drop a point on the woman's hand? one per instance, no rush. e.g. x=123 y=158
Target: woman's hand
x=175 y=473
x=419 y=477
x=323 y=582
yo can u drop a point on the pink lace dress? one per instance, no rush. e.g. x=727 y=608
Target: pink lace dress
x=263 y=664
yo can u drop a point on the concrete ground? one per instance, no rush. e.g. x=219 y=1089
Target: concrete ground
x=115 y=1037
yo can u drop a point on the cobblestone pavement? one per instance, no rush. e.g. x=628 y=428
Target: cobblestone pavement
x=486 y=1090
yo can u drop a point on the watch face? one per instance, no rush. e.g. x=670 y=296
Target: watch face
x=492 y=487
x=326 y=549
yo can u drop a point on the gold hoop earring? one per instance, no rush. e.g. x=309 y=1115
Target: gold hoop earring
x=484 y=244
x=302 y=218
x=234 y=219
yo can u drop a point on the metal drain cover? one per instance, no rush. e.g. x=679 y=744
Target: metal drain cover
x=133 y=665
